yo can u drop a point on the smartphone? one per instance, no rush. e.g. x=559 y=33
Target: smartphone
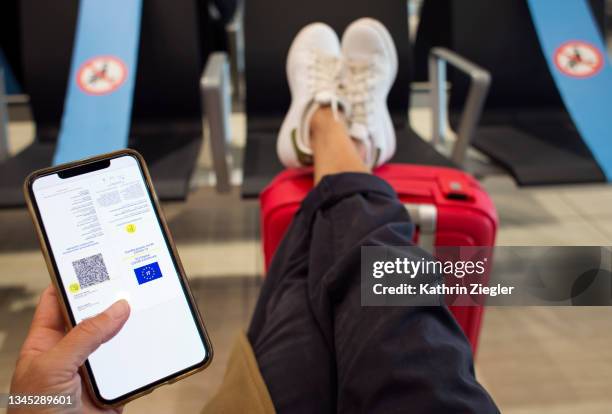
x=104 y=238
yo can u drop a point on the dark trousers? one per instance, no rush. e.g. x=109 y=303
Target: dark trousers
x=320 y=351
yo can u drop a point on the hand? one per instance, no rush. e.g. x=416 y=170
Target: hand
x=50 y=358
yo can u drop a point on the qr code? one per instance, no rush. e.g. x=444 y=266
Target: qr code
x=90 y=270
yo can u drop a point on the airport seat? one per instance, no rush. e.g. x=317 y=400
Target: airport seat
x=166 y=123
x=524 y=126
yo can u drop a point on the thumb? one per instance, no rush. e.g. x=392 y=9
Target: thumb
x=72 y=351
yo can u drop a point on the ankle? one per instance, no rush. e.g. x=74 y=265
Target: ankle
x=321 y=120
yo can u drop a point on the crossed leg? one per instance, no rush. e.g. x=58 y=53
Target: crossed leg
x=317 y=348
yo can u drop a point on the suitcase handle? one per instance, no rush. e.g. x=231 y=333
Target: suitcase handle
x=425 y=217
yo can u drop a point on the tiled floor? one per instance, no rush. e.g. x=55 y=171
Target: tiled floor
x=533 y=360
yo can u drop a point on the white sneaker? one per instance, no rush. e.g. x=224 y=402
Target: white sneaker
x=370 y=68
x=313 y=72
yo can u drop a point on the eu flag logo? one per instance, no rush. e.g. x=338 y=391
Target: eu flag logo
x=147 y=273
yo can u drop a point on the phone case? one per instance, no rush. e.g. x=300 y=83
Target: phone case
x=55 y=277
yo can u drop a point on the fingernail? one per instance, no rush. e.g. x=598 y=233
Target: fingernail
x=119 y=309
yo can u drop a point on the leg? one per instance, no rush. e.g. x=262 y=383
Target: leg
x=387 y=359
x=333 y=151
x=285 y=337
x=318 y=350
x=309 y=317
x=295 y=361
x=284 y=334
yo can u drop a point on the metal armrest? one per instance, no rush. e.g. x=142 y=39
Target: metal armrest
x=479 y=88
x=4 y=145
x=216 y=109
x=235 y=42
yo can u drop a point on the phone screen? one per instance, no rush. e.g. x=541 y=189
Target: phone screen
x=107 y=244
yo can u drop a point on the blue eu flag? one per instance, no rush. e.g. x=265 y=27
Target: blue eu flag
x=147 y=273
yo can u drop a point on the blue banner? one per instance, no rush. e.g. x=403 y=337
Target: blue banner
x=578 y=61
x=98 y=104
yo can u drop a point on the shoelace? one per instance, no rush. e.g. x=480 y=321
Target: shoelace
x=359 y=80
x=324 y=76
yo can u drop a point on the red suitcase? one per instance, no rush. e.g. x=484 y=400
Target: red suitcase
x=448 y=207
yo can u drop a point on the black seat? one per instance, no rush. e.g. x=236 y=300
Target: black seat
x=524 y=126
x=270 y=26
x=166 y=122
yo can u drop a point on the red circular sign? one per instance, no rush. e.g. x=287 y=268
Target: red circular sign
x=101 y=75
x=578 y=59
